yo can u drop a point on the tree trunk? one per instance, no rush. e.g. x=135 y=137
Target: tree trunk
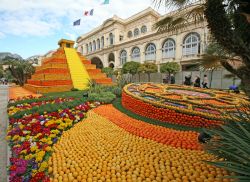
x=148 y=77
x=139 y=77
x=246 y=85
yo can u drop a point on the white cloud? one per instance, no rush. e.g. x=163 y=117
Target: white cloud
x=45 y=17
x=2 y=35
x=71 y=36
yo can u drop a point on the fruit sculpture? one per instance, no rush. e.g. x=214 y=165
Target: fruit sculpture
x=177 y=104
x=99 y=150
x=65 y=69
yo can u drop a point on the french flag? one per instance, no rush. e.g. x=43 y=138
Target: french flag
x=89 y=13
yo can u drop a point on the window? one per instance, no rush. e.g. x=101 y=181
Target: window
x=98 y=44
x=123 y=57
x=143 y=29
x=150 y=52
x=90 y=47
x=130 y=34
x=168 y=49
x=136 y=32
x=135 y=56
x=191 y=44
x=102 y=42
x=68 y=45
x=87 y=48
x=111 y=39
x=121 y=38
x=94 y=45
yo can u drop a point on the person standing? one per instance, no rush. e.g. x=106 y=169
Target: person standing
x=197 y=81
x=188 y=80
x=172 y=79
x=205 y=82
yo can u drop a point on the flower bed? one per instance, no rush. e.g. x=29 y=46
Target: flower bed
x=188 y=106
x=31 y=139
x=25 y=106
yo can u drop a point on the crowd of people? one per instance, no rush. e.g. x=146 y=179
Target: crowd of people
x=188 y=80
x=3 y=81
x=197 y=81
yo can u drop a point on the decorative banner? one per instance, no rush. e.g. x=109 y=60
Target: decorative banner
x=77 y=22
x=89 y=13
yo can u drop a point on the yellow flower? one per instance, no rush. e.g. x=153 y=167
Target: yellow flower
x=55 y=131
x=23 y=152
x=33 y=148
x=16 y=137
x=48 y=148
x=43 y=166
x=8 y=137
x=21 y=126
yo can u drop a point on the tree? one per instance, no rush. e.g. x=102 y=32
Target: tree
x=109 y=71
x=131 y=67
x=148 y=68
x=170 y=68
x=229 y=24
x=20 y=70
x=1 y=71
x=210 y=61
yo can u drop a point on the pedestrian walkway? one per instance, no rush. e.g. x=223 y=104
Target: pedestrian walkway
x=3 y=127
x=17 y=92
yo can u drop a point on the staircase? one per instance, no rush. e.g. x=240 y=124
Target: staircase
x=79 y=74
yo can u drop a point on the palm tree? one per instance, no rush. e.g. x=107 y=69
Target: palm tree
x=20 y=70
x=229 y=24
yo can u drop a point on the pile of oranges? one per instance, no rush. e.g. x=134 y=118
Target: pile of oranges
x=182 y=139
x=96 y=149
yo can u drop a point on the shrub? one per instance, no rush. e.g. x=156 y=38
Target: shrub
x=105 y=97
x=117 y=91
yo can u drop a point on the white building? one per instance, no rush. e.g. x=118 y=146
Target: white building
x=118 y=40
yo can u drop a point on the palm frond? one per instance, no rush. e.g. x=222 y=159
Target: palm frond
x=167 y=3
x=210 y=62
x=231 y=144
x=193 y=13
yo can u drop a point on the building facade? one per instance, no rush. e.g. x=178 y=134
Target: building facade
x=118 y=41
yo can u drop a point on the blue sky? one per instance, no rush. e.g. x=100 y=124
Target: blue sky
x=33 y=27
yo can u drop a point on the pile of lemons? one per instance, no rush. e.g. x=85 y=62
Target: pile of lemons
x=98 y=150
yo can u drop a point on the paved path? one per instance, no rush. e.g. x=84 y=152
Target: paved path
x=16 y=92
x=3 y=127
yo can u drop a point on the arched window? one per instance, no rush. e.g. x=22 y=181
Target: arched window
x=123 y=57
x=130 y=34
x=87 y=48
x=102 y=42
x=136 y=32
x=150 y=53
x=135 y=56
x=94 y=45
x=98 y=44
x=191 y=44
x=90 y=47
x=111 y=39
x=168 y=49
x=143 y=29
